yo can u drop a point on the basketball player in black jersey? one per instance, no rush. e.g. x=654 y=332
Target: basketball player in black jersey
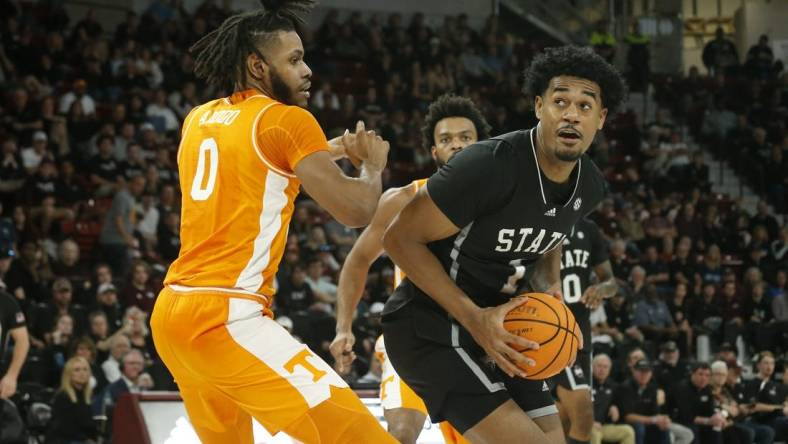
x=488 y=226
x=585 y=251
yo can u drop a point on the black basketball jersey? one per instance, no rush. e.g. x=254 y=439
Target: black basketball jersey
x=495 y=192
x=583 y=249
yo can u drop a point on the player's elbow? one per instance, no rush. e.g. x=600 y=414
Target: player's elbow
x=357 y=217
x=391 y=240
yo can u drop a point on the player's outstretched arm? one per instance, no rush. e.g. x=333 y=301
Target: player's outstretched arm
x=352 y=201
x=353 y=276
x=406 y=239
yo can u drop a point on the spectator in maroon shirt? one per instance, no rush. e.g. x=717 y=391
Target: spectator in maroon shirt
x=139 y=291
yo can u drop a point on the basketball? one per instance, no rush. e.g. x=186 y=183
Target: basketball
x=548 y=322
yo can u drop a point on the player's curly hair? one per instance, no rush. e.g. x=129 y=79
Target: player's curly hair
x=580 y=62
x=220 y=56
x=449 y=105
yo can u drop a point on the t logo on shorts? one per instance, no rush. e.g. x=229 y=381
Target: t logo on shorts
x=383 y=385
x=300 y=359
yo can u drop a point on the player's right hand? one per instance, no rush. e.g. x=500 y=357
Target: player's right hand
x=342 y=351
x=486 y=327
x=369 y=147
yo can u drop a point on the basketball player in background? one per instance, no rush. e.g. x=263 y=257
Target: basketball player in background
x=451 y=124
x=489 y=226
x=242 y=160
x=585 y=251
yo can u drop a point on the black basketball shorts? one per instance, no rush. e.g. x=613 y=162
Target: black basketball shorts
x=442 y=363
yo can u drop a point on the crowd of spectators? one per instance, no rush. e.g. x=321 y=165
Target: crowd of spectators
x=89 y=200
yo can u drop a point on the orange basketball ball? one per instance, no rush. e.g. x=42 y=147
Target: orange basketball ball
x=548 y=322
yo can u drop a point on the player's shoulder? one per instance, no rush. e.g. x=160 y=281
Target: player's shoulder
x=284 y=115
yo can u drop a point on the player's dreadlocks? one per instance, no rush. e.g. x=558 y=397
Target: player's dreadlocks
x=220 y=56
x=575 y=61
x=449 y=105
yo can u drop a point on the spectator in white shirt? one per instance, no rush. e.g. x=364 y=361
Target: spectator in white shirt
x=159 y=109
x=78 y=92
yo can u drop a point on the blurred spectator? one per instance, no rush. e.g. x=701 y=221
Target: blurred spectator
x=72 y=420
x=86 y=348
x=720 y=55
x=726 y=404
x=603 y=41
x=117 y=237
x=139 y=291
x=606 y=413
x=107 y=303
x=132 y=380
x=640 y=401
x=760 y=58
x=119 y=346
x=670 y=369
x=769 y=399
x=638 y=58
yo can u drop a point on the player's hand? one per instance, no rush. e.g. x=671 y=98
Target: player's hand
x=592 y=297
x=555 y=291
x=342 y=350
x=336 y=146
x=369 y=147
x=487 y=330
x=7 y=387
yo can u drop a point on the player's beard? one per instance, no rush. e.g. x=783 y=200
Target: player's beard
x=568 y=155
x=282 y=92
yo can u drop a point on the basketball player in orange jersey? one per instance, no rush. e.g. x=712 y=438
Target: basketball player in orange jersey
x=488 y=226
x=241 y=161
x=451 y=124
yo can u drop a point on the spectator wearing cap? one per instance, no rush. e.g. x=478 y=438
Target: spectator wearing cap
x=33 y=156
x=606 y=412
x=769 y=398
x=670 y=368
x=117 y=235
x=639 y=401
x=60 y=304
x=107 y=302
x=695 y=407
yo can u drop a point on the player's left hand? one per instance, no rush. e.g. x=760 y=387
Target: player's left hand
x=592 y=297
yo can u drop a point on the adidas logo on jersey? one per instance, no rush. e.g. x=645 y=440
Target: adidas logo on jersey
x=545 y=388
x=550 y=212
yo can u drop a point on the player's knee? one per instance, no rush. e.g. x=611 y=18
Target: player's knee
x=404 y=433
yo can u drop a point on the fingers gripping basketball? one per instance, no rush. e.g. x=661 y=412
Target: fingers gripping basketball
x=547 y=321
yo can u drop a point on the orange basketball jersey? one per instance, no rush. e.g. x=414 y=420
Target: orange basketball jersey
x=236 y=161
x=399 y=275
